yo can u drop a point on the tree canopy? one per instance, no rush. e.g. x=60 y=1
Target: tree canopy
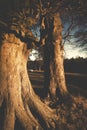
x=73 y=14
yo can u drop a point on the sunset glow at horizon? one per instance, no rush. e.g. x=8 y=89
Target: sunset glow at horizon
x=71 y=51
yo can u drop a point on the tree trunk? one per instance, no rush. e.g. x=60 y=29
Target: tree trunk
x=58 y=55
x=16 y=90
x=53 y=58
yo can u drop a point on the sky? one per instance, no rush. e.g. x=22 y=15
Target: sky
x=71 y=51
x=33 y=55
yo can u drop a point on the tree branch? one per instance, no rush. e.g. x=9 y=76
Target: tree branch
x=3 y=23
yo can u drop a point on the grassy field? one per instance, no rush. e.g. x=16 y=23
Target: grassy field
x=76 y=82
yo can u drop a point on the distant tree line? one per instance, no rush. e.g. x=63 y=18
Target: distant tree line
x=35 y=65
x=77 y=65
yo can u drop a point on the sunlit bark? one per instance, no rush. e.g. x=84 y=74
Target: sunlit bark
x=16 y=90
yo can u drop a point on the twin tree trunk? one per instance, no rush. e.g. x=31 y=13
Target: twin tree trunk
x=16 y=91
x=15 y=88
x=53 y=57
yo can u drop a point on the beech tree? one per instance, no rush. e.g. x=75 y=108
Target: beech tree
x=51 y=38
x=16 y=39
x=16 y=91
x=53 y=56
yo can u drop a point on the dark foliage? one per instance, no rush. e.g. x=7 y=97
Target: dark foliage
x=76 y=65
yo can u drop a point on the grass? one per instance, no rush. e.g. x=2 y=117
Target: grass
x=72 y=115
x=76 y=82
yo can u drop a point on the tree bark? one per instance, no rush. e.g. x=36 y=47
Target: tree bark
x=16 y=90
x=53 y=57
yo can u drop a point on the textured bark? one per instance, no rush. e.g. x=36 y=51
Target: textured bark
x=58 y=55
x=53 y=57
x=16 y=90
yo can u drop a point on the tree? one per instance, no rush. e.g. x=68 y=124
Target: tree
x=15 y=88
x=51 y=33
x=16 y=40
x=53 y=56
x=51 y=38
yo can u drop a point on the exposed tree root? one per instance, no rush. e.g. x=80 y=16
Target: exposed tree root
x=9 y=119
x=26 y=120
x=16 y=90
x=1 y=100
x=45 y=115
x=32 y=113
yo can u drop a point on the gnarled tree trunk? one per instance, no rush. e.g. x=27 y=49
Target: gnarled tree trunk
x=16 y=90
x=58 y=55
x=53 y=57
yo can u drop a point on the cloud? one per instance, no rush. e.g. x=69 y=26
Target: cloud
x=71 y=51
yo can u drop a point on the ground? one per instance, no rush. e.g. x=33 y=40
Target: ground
x=76 y=82
x=72 y=114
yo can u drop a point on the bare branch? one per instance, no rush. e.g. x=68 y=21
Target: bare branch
x=3 y=23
